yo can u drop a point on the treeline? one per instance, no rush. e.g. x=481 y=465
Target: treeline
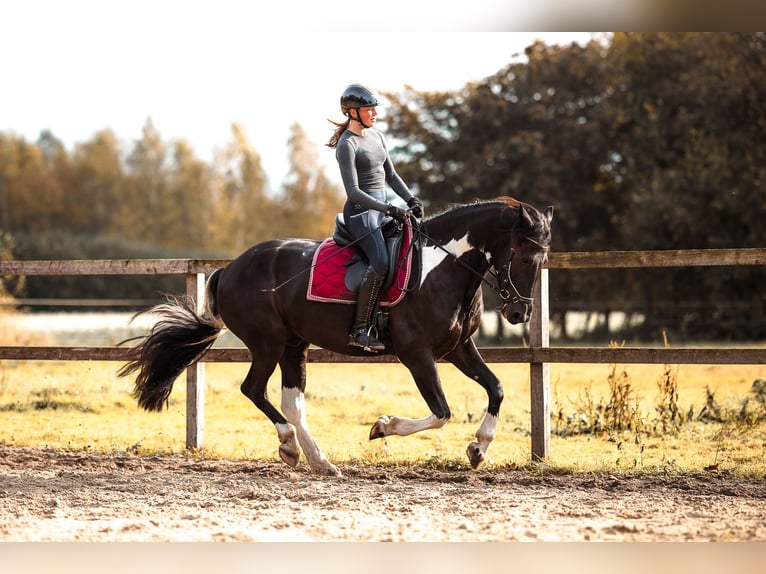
x=647 y=141
x=157 y=199
x=640 y=141
x=159 y=193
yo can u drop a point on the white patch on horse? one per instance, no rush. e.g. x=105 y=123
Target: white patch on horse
x=294 y=409
x=401 y=426
x=433 y=255
x=487 y=430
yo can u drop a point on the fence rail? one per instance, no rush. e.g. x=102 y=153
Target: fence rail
x=539 y=355
x=592 y=355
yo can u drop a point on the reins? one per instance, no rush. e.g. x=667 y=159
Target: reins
x=502 y=292
x=506 y=294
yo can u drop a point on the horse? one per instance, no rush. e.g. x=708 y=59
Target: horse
x=261 y=297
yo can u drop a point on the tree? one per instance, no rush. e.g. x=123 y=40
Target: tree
x=142 y=215
x=309 y=199
x=243 y=213
x=190 y=180
x=688 y=112
x=650 y=141
x=98 y=185
x=31 y=197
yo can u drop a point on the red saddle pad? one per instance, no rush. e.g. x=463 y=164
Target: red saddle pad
x=327 y=281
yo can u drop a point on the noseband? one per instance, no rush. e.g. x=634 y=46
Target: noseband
x=505 y=288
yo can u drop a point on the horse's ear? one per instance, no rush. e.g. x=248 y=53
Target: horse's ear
x=525 y=220
x=548 y=214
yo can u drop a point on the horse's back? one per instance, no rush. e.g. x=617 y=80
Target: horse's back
x=272 y=260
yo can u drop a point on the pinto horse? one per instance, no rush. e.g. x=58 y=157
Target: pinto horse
x=261 y=298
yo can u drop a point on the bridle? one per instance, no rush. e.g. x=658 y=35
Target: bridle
x=505 y=288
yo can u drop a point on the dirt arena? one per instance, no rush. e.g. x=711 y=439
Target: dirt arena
x=47 y=495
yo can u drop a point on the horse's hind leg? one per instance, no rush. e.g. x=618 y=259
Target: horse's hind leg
x=293 y=367
x=467 y=358
x=254 y=388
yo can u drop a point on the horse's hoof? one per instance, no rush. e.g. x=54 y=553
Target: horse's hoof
x=327 y=469
x=475 y=455
x=378 y=430
x=289 y=456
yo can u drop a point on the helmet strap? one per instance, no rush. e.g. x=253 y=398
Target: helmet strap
x=358 y=118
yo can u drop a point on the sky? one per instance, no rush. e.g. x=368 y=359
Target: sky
x=195 y=67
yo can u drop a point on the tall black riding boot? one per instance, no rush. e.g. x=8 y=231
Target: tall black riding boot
x=361 y=333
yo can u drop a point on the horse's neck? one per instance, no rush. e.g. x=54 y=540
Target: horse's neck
x=476 y=222
x=462 y=236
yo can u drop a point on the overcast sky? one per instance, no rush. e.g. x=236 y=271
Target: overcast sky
x=194 y=67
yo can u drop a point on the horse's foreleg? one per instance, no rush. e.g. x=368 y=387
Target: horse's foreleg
x=427 y=380
x=477 y=449
x=467 y=358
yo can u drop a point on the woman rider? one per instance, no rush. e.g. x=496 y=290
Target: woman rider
x=365 y=169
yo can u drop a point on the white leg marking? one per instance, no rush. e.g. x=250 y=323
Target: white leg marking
x=486 y=432
x=294 y=409
x=477 y=450
x=288 y=446
x=403 y=427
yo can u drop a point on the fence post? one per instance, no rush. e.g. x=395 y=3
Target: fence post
x=195 y=375
x=539 y=373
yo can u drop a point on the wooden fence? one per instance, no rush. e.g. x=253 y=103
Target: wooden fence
x=539 y=354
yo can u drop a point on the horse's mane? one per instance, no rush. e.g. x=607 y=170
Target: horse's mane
x=450 y=207
x=540 y=229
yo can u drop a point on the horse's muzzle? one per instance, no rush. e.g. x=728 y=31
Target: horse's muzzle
x=516 y=313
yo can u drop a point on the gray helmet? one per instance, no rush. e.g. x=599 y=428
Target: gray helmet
x=357 y=96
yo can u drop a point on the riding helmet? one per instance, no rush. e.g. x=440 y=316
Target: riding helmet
x=357 y=96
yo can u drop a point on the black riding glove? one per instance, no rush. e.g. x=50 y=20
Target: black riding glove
x=416 y=207
x=396 y=212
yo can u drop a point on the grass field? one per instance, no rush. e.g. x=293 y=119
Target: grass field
x=85 y=406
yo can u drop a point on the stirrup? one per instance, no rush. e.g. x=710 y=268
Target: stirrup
x=363 y=338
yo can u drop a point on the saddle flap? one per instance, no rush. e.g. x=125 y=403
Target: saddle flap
x=337 y=271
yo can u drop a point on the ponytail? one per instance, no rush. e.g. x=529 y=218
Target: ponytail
x=340 y=127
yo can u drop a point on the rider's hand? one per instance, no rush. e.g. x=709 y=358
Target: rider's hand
x=396 y=212
x=416 y=207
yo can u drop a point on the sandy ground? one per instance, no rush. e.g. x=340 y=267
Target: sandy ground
x=47 y=495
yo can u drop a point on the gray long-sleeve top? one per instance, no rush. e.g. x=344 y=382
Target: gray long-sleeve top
x=365 y=167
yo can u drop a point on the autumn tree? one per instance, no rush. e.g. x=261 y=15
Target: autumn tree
x=142 y=214
x=243 y=213
x=189 y=201
x=31 y=195
x=98 y=185
x=309 y=200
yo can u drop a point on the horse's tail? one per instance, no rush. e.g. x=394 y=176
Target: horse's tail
x=177 y=340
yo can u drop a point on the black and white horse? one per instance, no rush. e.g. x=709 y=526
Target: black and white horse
x=505 y=239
